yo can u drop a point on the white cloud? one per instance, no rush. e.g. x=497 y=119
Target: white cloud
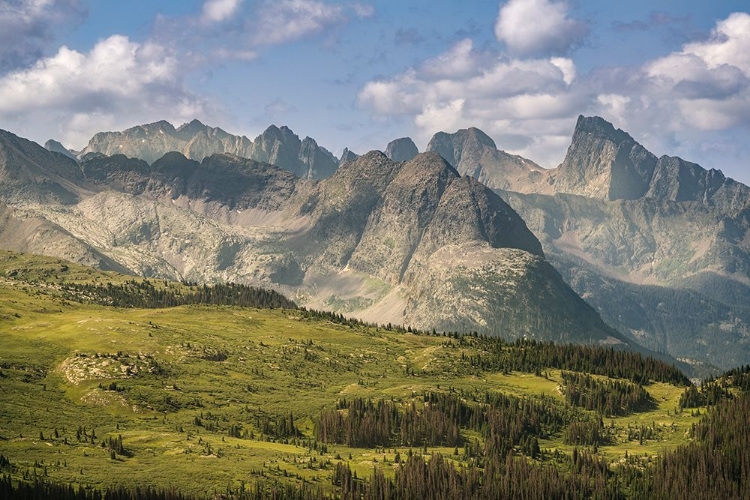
x=529 y=105
x=464 y=87
x=219 y=10
x=27 y=25
x=707 y=84
x=538 y=27
x=286 y=20
x=728 y=44
x=362 y=10
x=117 y=83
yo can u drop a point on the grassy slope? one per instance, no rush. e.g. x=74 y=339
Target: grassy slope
x=277 y=363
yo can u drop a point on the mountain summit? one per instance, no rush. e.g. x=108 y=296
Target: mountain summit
x=278 y=146
x=473 y=153
x=604 y=162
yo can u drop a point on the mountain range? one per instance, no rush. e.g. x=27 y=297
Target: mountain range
x=658 y=246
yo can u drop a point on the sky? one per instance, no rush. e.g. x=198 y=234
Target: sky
x=675 y=74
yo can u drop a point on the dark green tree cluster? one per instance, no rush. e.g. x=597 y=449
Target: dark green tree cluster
x=144 y=294
x=501 y=477
x=532 y=356
x=716 y=465
x=436 y=419
x=714 y=390
x=606 y=397
x=368 y=424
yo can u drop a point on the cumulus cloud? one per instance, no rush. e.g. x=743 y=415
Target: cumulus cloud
x=529 y=104
x=538 y=27
x=708 y=82
x=503 y=96
x=118 y=82
x=26 y=26
x=283 y=21
x=219 y=10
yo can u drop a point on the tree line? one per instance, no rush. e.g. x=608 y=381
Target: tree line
x=532 y=356
x=144 y=294
x=606 y=397
x=504 y=422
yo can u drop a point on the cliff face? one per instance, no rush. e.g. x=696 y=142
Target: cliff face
x=606 y=163
x=472 y=152
x=194 y=140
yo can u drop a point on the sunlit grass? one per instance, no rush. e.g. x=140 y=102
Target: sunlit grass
x=59 y=357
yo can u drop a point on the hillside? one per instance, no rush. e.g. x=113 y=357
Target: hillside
x=212 y=397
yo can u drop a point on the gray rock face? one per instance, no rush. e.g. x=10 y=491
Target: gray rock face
x=31 y=173
x=347 y=155
x=56 y=147
x=277 y=146
x=283 y=148
x=402 y=149
x=473 y=153
x=606 y=163
x=464 y=143
x=319 y=162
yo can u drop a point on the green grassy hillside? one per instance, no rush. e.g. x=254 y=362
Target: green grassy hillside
x=203 y=398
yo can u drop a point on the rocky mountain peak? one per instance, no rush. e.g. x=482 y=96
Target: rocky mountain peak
x=598 y=127
x=187 y=130
x=319 y=162
x=604 y=162
x=473 y=153
x=57 y=147
x=347 y=155
x=160 y=126
x=402 y=149
x=463 y=143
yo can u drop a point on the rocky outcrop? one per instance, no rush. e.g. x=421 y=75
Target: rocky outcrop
x=347 y=155
x=473 y=153
x=196 y=141
x=57 y=147
x=402 y=149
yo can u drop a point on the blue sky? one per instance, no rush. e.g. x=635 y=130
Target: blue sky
x=674 y=74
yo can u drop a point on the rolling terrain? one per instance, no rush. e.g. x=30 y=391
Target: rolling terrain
x=223 y=397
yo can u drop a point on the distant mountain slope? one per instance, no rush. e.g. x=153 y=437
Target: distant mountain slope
x=639 y=237
x=277 y=146
x=606 y=163
x=401 y=242
x=473 y=153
